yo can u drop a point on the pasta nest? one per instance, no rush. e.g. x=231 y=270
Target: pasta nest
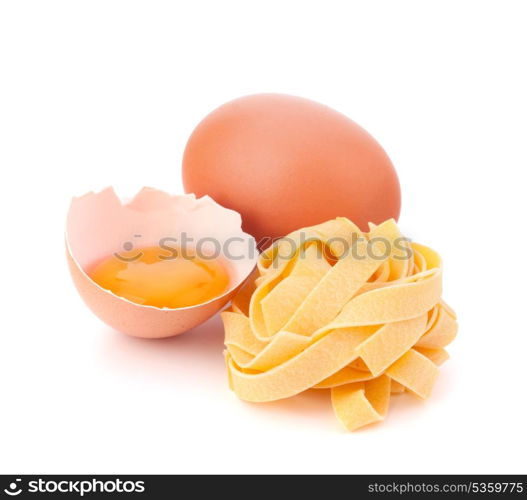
x=331 y=307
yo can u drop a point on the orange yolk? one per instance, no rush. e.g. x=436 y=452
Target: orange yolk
x=154 y=277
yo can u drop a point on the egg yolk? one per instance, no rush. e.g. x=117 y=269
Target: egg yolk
x=155 y=277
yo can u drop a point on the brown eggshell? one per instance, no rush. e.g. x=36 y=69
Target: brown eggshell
x=285 y=162
x=98 y=225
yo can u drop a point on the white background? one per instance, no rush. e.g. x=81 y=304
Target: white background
x=98 y=93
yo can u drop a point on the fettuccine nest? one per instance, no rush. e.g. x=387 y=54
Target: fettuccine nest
x=330 y=307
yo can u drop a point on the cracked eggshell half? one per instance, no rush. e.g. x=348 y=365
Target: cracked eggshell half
x=99 y=224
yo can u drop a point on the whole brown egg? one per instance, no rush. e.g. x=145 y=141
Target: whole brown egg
x=285 y=162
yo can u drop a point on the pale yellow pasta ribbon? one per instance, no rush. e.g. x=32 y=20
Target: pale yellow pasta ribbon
x=330 y=307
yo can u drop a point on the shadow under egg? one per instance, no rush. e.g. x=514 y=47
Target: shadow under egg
x=193 y=359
